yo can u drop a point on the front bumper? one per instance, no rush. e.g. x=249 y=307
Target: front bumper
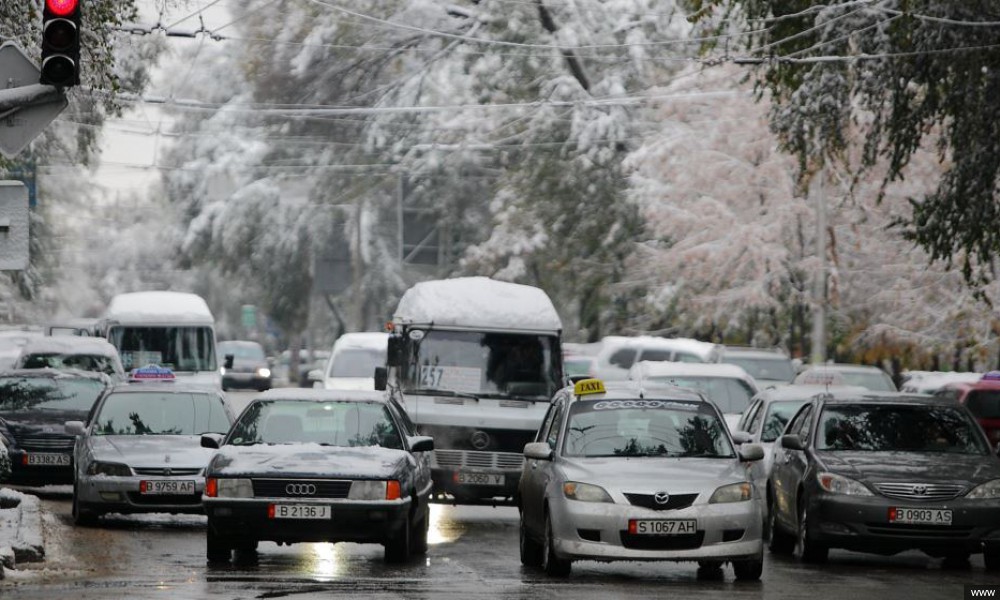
x=861 y=523
x=351 y=520
x=246 y=380
x=447 y=481
x=599 y=531
x=104 y=494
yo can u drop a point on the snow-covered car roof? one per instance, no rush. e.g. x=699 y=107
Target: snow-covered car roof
x=660 y=369
x=931 y=381
x=68 y=344
x=159 y=307
x=374 y=340
x=806 y=391
x=321 y=395
x=697 y=347
x=55 y=374
x=478 y=302
x=746 y=351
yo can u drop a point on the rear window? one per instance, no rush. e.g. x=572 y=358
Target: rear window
x=984 y=404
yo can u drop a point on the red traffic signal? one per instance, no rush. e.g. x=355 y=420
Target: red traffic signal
x=61 y=43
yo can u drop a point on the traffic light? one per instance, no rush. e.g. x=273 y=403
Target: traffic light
x=61 y=43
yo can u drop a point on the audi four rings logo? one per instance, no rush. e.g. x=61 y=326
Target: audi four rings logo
x=300 y=489
x=661 y=497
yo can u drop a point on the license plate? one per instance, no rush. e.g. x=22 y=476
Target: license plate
x=166 y=487
x=47 y=460
x=920 y=516
x=473 y=478
x=662 y=527
x=300 y=511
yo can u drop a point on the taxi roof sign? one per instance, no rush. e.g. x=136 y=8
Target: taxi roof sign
x=152 y=373
x=585 y=387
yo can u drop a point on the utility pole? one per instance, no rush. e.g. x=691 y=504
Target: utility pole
x=818 y=354
x=358 y=266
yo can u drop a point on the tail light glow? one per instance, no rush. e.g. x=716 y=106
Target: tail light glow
x=392 y=490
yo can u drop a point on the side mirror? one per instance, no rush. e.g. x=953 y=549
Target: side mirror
x=75 y=428
x=751 y=452
x=229 y=361
x=381 y=378
x=792 y=442
x=538 y=451
x=394 y=351
x=741 y=437
x=315 y=376
x=211 y=440
x=421 y=443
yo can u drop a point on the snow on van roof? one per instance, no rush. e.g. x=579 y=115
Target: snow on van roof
x=165 y=307
x=68 y=344
x=478 y=302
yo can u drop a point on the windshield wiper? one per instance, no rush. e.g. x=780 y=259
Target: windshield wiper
x=449 y=393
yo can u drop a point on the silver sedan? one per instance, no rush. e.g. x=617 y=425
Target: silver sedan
x=624 y=475
x=141 y=450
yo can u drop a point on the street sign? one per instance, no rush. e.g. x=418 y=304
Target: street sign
x=13 y=226
x=249 y=316
x=22 y=123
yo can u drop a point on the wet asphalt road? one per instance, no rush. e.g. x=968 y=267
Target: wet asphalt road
x=473 y=554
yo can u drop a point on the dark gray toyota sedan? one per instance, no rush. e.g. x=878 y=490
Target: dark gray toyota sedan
x=304 y=465
x=884 y=473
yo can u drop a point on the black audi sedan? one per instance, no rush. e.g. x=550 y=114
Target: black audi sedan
x=307 y=465
x=34 y=407
x=884 y=473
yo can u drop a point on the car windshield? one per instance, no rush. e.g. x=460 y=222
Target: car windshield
x=730 y=395
x=160 y=413
x=45 y=393
x=645 y=428
x=985 y=404
x=502 y=364
x=178 y=348
x=244 y=350
x=85 y=362
x=778 y=414
x=778 y=368
x=875 y=381
x=334 y=423
x=898 y=428
x=356 y=362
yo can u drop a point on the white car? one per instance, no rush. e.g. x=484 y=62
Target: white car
x=353 y=360
x=871 y=378
x=72 y=352
x=618 y=354
x=729 y=387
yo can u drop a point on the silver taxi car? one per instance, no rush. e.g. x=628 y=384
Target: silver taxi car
x=625 y=473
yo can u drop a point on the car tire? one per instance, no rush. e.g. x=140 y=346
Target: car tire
x=397 y=548
x=531 y=550
x=418 y=537
x=778 y=541
x=218 y=548
x=83 y=516
x=808 y=550
x=991 y=557
x=749 y=570
x=552 y=564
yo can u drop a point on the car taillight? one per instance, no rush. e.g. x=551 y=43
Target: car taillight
x=392 y=490
x=212 y=487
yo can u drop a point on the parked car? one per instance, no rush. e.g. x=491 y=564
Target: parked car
x=282 y=376
x=249 y=369
x=728 y=386
x=929 y=382
x=71 y=352
x=352 y=361
x=768 y=366
x=4 y=462
x=34 y=407
x=141 y=449
x=318 y=466
x=618 y=354
x=982 y=398
x=620 y=473
x=872 y=378
x=884 y=473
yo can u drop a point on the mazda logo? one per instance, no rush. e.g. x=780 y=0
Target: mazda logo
x=661 y=498
x=480 y=440
x=300 y=489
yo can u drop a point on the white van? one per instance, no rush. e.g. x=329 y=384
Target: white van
x=353 y=360
x=175 y=330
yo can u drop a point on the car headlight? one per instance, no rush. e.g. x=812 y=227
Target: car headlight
x=228 y=488
x=734 y=492
x=838 y=484
x=263 y=372
x=585 y=492
x=367 y=490
x=987 y=491
x=222 y=370
x=109 y=469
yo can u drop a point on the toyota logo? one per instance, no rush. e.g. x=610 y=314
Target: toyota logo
x=661 y=498
x=480 y=440
x=920 y=490
x=300 y=489
x=167 y=472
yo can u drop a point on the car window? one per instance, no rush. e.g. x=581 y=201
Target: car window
x=805 y=425
x=623 y=358
x=48 y=393
x=646 y=428
x=947 y=394
x=656 y=355
x=546 y=423
x=333 y=423
x=357 y=362
x=776 y=418
x=684 y=357
x=778 y=368
x=160 y=413
x=877 y=381
x=796 y=422
x=730 y=395
x=747 y=417
x=984 y=404
x=757 y=417
x=552 y=435
x=899 y=428
x=403 y=416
